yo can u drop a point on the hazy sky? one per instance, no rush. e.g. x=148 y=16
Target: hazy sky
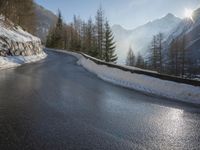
x=128 y=13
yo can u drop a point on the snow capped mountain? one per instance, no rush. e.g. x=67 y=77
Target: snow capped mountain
x=140 y=38
x=45 y=20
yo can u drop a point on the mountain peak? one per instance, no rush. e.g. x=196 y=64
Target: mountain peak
x=169 y=15
x=117 y=26
x=170 y=18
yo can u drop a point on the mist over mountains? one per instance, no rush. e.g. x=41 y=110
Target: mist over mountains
x=140 y=38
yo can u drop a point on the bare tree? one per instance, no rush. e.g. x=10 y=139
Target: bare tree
x=130 y=60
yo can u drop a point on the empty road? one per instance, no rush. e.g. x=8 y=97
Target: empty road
x=55 y=104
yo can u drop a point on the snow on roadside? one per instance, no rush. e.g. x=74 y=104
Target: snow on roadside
x=14 y=61
x=143 y=83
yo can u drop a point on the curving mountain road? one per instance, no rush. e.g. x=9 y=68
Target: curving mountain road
x=55 y=104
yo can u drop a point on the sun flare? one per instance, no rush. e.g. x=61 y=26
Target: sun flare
x=189 y=13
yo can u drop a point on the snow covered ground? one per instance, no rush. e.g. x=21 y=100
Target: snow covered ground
x=15 y=33
x=143 y=83
x=14 y=61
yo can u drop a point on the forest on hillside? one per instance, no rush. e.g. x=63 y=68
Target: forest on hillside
x=20 y=12
x=175 y=60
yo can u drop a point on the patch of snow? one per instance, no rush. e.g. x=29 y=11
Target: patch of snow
x=143 y=83
x=14 y=61
x=16 y=33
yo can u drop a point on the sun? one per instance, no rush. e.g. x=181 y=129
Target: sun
x=189 y=13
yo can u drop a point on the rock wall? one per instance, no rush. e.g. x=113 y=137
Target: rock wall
x=14 y=41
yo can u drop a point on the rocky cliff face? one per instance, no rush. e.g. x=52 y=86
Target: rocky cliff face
x=14 y=41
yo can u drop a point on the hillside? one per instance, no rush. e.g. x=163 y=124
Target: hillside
x=191 y=30
x=45 y=20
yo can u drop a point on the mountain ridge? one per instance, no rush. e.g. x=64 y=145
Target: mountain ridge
x=140 y=37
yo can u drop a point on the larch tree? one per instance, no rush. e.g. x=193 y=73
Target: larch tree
x=140 y=63
x=77 y=24
x=160 y=38
x=155 y=55
x=130 y=60
x=183 y=59
x=100 y=31
x=173 y=62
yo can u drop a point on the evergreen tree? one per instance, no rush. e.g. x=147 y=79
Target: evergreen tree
x=130 y=60
x=109 y=45
x=55 y=37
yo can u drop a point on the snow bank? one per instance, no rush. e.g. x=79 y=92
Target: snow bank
x=142 y=83
x=14 y=61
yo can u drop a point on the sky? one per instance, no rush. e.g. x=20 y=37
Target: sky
x=127 y=13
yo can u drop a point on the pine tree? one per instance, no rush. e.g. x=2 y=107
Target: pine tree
x=130 y=60
x=109 y=45
x=55 y=37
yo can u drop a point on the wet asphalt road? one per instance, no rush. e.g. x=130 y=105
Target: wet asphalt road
x=55 y=104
